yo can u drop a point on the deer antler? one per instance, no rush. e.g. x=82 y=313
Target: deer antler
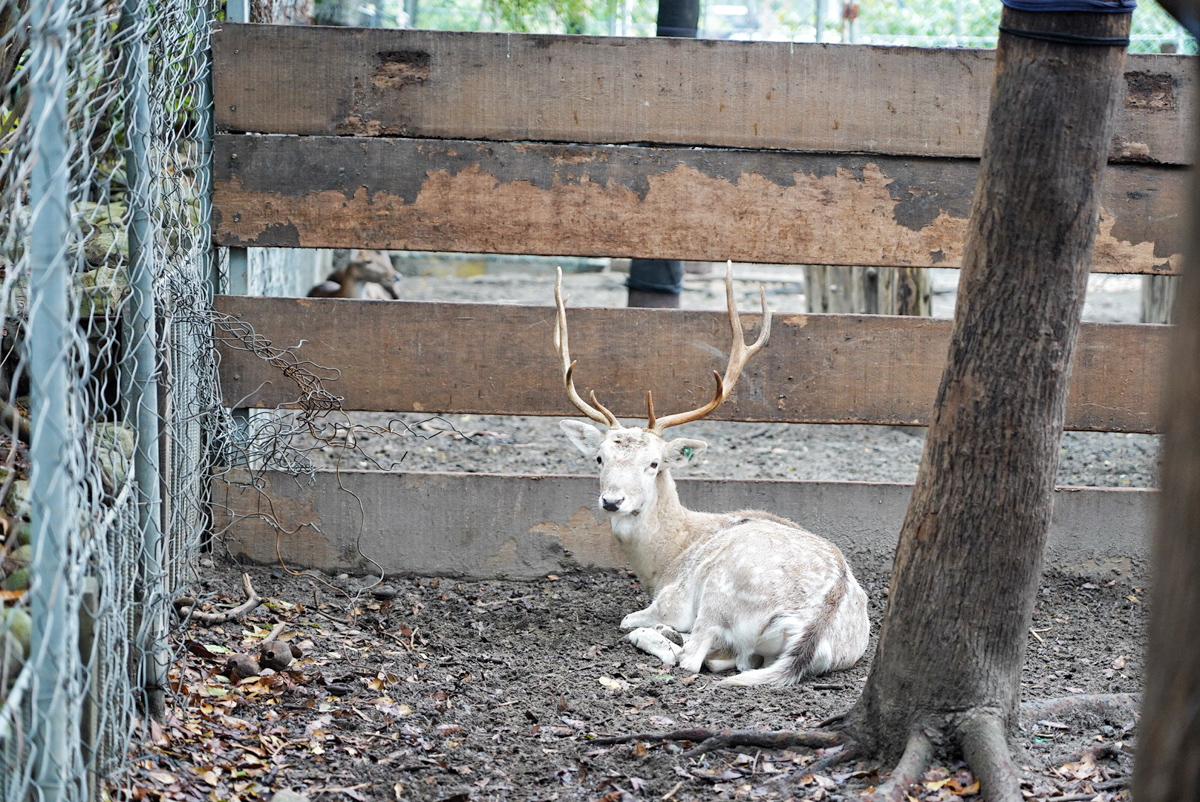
x=597 y=413
x=739 y=355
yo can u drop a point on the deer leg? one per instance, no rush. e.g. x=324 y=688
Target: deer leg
x=719 y=664
x=642 y=618
x=695 y=650
x=655 y=643
x=673 y=606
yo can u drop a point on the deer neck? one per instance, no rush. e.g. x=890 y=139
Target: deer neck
x=652 y=540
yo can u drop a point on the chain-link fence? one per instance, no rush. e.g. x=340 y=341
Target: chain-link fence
x=106 y=374
x=110 y=414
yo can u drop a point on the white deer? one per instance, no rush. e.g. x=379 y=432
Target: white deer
x=745 y=590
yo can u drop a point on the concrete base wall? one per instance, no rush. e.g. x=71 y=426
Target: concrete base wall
x=522 y=527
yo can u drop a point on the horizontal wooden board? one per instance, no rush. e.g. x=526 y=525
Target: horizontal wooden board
x=667 y=203
x=496 y=359
x=607 y=90
x=522 y=527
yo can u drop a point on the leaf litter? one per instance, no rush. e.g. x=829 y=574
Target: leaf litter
x=441 y=689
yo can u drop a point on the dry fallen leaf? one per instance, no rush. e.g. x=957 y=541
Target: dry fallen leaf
x=612 y=684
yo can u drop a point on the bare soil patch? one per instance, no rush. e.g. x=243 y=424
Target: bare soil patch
x=437 y=689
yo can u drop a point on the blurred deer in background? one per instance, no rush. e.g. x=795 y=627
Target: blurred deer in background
x=368 y=274
x=745 y=590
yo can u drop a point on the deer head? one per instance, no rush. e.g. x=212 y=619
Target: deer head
x=633 y=458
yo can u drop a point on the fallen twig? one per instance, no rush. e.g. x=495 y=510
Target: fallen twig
x=252 y=601
x=275 y=632
x=1096 y=787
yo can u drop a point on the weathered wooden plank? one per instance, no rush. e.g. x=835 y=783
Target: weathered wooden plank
x=830 y=98
x=488 y=526
x=669 y=203
x=498 y=359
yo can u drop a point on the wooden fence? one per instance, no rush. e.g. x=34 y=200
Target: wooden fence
x=673 y=148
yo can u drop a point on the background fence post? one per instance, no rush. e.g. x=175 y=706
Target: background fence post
x=239 y=282
x=239 y=258
x=53 y=508
x=142 y=354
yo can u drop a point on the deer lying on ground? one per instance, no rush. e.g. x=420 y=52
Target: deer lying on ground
x=745 y=590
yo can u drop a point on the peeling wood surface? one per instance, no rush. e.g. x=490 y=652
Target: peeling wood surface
x=524 y=527
x=519 y=87
x=497 y=359
x=667 y=203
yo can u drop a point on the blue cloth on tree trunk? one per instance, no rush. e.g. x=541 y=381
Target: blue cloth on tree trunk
x=1101 y=6
x=656 y=275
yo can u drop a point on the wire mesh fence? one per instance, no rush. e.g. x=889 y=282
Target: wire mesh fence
x=106 y=375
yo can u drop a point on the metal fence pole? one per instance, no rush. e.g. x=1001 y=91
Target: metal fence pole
x=143 y=356
x=53 y=508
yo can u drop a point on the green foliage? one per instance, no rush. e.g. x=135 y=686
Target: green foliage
x=594 y=17
x=572 y=15
x=946 y=23
x=922 y=23
x=915 y=18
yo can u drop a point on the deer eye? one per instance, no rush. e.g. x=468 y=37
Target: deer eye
x=654 y=464
x=599 y=460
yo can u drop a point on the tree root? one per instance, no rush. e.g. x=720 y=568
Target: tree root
x=711 y=740
x=918 y=753
x=985 y=747
x=1115 y=705
x=208 y=619
x=981 y=733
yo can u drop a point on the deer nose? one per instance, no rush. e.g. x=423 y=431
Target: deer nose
x=610 y=505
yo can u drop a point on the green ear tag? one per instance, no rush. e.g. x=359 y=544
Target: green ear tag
x=687 y=452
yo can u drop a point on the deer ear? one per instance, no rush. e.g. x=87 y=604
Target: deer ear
x=587 y=438
x=681 y=451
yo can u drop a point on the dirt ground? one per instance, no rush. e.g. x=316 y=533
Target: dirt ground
x=418 y=688
x=435 y=689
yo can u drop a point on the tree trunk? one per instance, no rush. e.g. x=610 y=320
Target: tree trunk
x=658 y=282
x=970 y=553
x=13 y=41
x=834 y=289
x=1158 y=298
x=678 y=18
x=14 y=37
x=905 y=291
x=1168 y=754
x=868 y=290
